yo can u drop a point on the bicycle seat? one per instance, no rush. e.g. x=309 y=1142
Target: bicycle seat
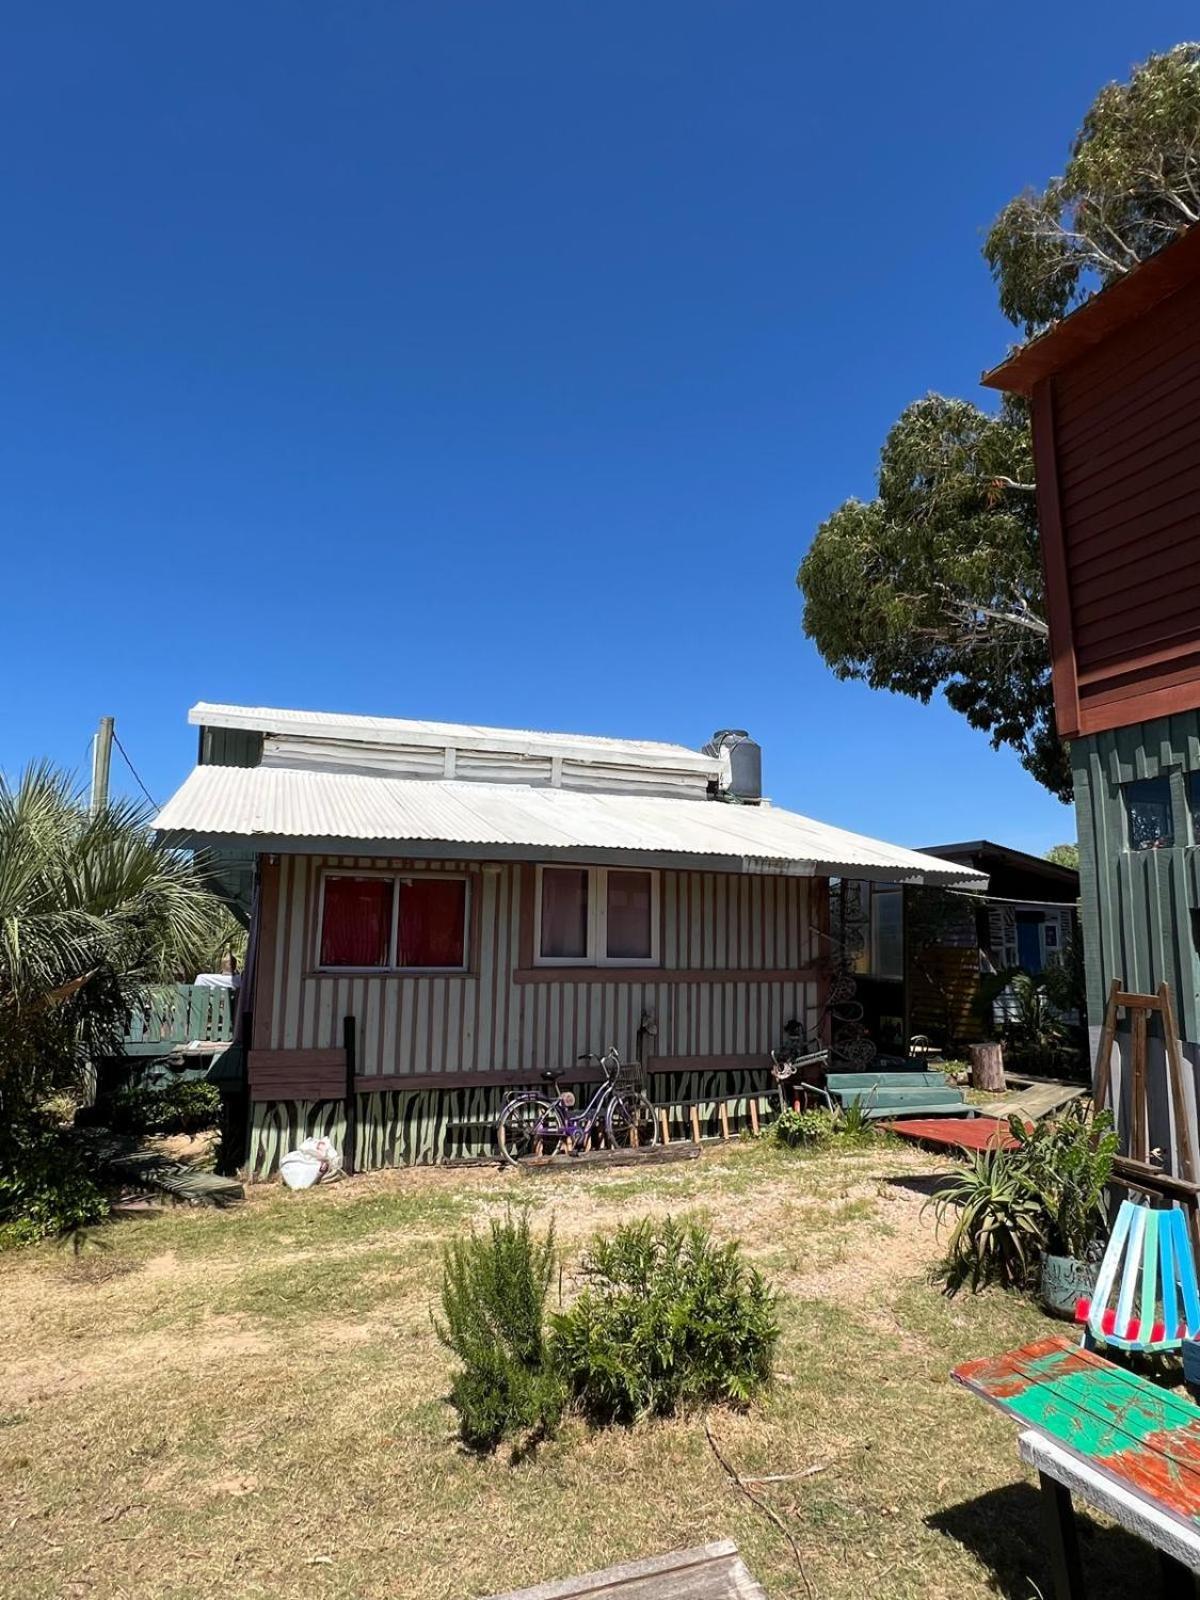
x=552 y=1074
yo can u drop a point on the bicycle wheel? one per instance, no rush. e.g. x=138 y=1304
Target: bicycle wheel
x=529 y=1125
x=631 y=1122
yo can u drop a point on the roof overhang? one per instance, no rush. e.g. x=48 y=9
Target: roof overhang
x=292 y=811
x=1172 y=268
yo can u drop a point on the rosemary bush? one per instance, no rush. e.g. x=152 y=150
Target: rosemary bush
x=494 y=1289
x=669 y=1319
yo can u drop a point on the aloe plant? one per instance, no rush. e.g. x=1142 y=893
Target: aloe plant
x=999 y=1229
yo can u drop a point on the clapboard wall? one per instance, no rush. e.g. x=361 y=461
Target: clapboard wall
x=739 y=960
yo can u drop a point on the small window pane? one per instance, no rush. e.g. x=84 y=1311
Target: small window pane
x=887 y=908
x=1148 y=803
x=630 y=936
x=433 y=922
x=564 y=913
x=356 y=922
x=1193 y=783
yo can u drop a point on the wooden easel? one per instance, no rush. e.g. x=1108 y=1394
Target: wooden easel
x=1134 y=1169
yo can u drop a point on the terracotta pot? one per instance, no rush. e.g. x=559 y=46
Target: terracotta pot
x=1066 y=1281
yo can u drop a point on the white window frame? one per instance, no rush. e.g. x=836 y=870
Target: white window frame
x=391 y=967
x=597 y=920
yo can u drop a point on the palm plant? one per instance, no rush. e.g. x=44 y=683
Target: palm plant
x=999 y=1227
x=93 y=912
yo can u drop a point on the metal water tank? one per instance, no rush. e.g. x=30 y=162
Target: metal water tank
x=743 y=756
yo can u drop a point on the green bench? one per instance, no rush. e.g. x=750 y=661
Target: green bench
x=892 y=1095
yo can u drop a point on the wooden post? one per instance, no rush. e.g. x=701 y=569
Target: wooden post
x=695 y=1125
x=1102 y=1082
x=665 y=1124
x=723 y=1112
x=753 y=1104
x=987 y=1068
x=101 y=764
x=350 y=1153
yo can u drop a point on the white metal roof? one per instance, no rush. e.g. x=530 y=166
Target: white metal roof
x=278 y=808
x=400 y=731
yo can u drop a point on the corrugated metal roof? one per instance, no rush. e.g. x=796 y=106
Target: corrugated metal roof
x=400 y=731
x=282 y=804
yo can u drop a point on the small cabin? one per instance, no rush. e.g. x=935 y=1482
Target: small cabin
x=440 y=912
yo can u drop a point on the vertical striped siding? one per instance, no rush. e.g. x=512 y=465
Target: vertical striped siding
x=483 y=1020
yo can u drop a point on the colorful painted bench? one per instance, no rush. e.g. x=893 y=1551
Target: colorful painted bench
x=1122 y=1443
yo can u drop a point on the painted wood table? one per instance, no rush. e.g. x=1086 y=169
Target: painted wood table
x=1126 y=1446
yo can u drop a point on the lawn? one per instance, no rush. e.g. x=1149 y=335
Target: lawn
x=251 y=1402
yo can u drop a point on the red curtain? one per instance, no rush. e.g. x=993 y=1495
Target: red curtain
x=433 y=922
x=356 y=922
x=564 y=913
x=629 y=903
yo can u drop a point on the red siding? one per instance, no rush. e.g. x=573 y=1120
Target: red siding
x=1117 y=433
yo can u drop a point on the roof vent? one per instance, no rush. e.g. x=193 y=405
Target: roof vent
x=741 y=765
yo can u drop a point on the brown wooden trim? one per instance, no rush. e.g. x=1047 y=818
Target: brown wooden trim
x=369 y=1083
x=1054 y=561
x=267 y=954
x=296 y=1074
x=567 y=974
x=528 y=891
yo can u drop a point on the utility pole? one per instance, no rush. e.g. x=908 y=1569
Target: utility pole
x=101 y=763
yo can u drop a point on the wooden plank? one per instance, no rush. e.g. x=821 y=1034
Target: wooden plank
x=1145 y=1438
x=653 y=1156
x=707 y=1572
x=955 y=1133
x=1035 y=1103
x=1133 y=1512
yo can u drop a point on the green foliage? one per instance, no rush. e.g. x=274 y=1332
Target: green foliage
x=1132 y=183
x=936 y=584
x=999 y=1223
x=669 y=1320
x=93 y=910
x=46 y=1187
x=1010 y=1206
x=1064 y=855
x=1069 y=1162
x=494 y=1290
x=185 y=1106
x=811 y=1130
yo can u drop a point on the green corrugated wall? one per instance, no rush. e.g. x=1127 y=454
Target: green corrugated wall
x=1138 y=904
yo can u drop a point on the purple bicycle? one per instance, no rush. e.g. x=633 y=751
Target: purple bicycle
x=619 y=1115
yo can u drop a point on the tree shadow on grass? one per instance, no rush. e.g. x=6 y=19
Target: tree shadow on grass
x=1004 y=1530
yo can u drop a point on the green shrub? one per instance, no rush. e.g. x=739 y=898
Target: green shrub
x=802 y=1129
x=668 y=1319
x=189 y=1105
x=494 y=1290
x=818 y=1129
x=1069 y=1161
x=46 y=1187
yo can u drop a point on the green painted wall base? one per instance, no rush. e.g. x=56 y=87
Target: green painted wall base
x=398 y=1128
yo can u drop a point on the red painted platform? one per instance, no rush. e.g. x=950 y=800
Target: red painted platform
x=956 y=1133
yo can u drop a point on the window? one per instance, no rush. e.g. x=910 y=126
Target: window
x=1193 y=794
x=874 y=917
x=356 y=922
x=392 y=922
x=596 y=916
x=1148 y=809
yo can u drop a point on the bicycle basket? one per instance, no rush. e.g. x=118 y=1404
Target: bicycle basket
x=631 y=1076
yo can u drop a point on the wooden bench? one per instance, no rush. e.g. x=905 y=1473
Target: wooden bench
x=1121 y=1443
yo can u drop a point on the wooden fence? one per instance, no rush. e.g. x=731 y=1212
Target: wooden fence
x=178 y=1015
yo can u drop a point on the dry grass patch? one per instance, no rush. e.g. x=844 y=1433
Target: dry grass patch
x=251 y=1402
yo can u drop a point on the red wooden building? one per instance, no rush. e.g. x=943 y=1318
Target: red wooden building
x=1114 y=390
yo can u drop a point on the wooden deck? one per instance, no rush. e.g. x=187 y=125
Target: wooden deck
x=707 y=1572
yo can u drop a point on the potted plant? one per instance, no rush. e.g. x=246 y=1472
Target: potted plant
x=1068 y=1163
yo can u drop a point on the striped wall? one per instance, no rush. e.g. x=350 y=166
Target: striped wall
x=739 y=958
x=416 y=1127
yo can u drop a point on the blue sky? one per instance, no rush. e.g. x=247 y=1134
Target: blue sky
x=496 y=362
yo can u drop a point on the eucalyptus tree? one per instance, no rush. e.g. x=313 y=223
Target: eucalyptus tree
x=936 y=582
